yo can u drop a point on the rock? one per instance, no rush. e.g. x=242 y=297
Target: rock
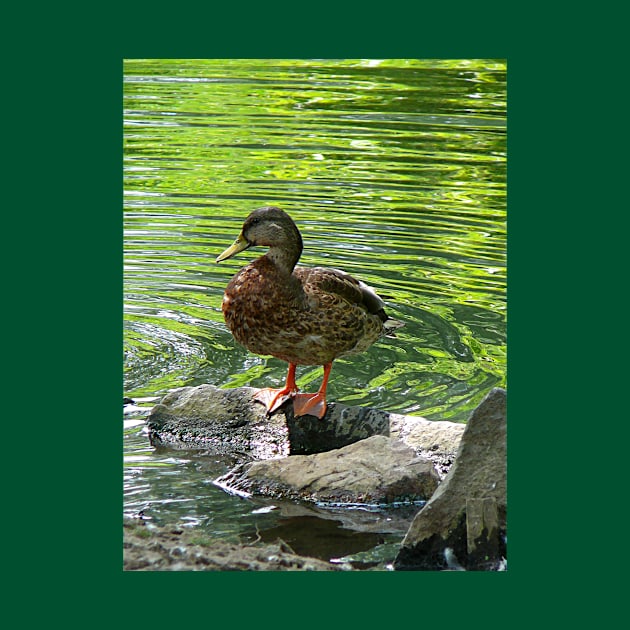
x=342 y=425
x=229 y=421
x=148 y=548
x=464 y=522
x=374 y=470
x=437 y=440
x=224 y=420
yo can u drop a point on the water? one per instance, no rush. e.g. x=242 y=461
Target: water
x=394 y=170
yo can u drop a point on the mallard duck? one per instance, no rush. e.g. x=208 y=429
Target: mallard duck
x=305 y=316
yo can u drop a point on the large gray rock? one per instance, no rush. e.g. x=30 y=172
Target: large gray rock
x=374 y=470
x=464 y=522
x=229 y=421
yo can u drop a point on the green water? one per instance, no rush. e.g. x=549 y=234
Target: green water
x=394 y=170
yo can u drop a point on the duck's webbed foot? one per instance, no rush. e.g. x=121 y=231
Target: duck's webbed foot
x=309 y=404
x=273 y=399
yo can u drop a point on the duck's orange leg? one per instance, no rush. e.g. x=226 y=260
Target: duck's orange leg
x=275 y=398
x=313 y=404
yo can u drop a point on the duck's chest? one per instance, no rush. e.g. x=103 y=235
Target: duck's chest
x=258 y=299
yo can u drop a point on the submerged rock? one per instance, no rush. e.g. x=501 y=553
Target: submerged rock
x=374 y=470
x=463 y=525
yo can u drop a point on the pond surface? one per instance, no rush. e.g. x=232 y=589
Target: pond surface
x=394 y=170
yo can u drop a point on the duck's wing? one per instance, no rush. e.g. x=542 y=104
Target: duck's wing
x=342 y=284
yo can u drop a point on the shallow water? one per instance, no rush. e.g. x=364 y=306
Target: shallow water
x=394 y=171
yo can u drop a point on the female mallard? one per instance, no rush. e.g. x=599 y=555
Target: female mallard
x=305 y=316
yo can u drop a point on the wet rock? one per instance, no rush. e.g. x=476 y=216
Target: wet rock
x=342 y=425
x=148 y=548
x=463 y=525
x=223 y=420
x=374 y=470
x=230 y=421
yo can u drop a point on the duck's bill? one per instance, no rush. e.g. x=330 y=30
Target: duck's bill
x=240 y=244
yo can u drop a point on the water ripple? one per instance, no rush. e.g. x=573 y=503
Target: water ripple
x=394 y=171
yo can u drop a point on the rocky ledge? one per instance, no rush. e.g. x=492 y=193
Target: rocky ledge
x=229 y=421
x=359 y=455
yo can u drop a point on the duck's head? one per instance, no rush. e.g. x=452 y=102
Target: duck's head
x=271 y=227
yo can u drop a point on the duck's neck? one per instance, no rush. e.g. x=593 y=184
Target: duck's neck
x=285 y=257
x=284 y=260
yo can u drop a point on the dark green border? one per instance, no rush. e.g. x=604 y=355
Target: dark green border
x=65 y=423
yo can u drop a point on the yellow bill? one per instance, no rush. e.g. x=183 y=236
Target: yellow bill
x=240 y=244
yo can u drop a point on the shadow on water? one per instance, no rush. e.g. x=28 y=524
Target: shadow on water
x=320 y=538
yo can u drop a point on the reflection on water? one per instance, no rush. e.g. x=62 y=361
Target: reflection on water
x=393 y=170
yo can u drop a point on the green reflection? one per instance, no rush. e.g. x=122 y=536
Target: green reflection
x=395 y=171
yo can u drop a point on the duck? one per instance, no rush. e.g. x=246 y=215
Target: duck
x=301 y=315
